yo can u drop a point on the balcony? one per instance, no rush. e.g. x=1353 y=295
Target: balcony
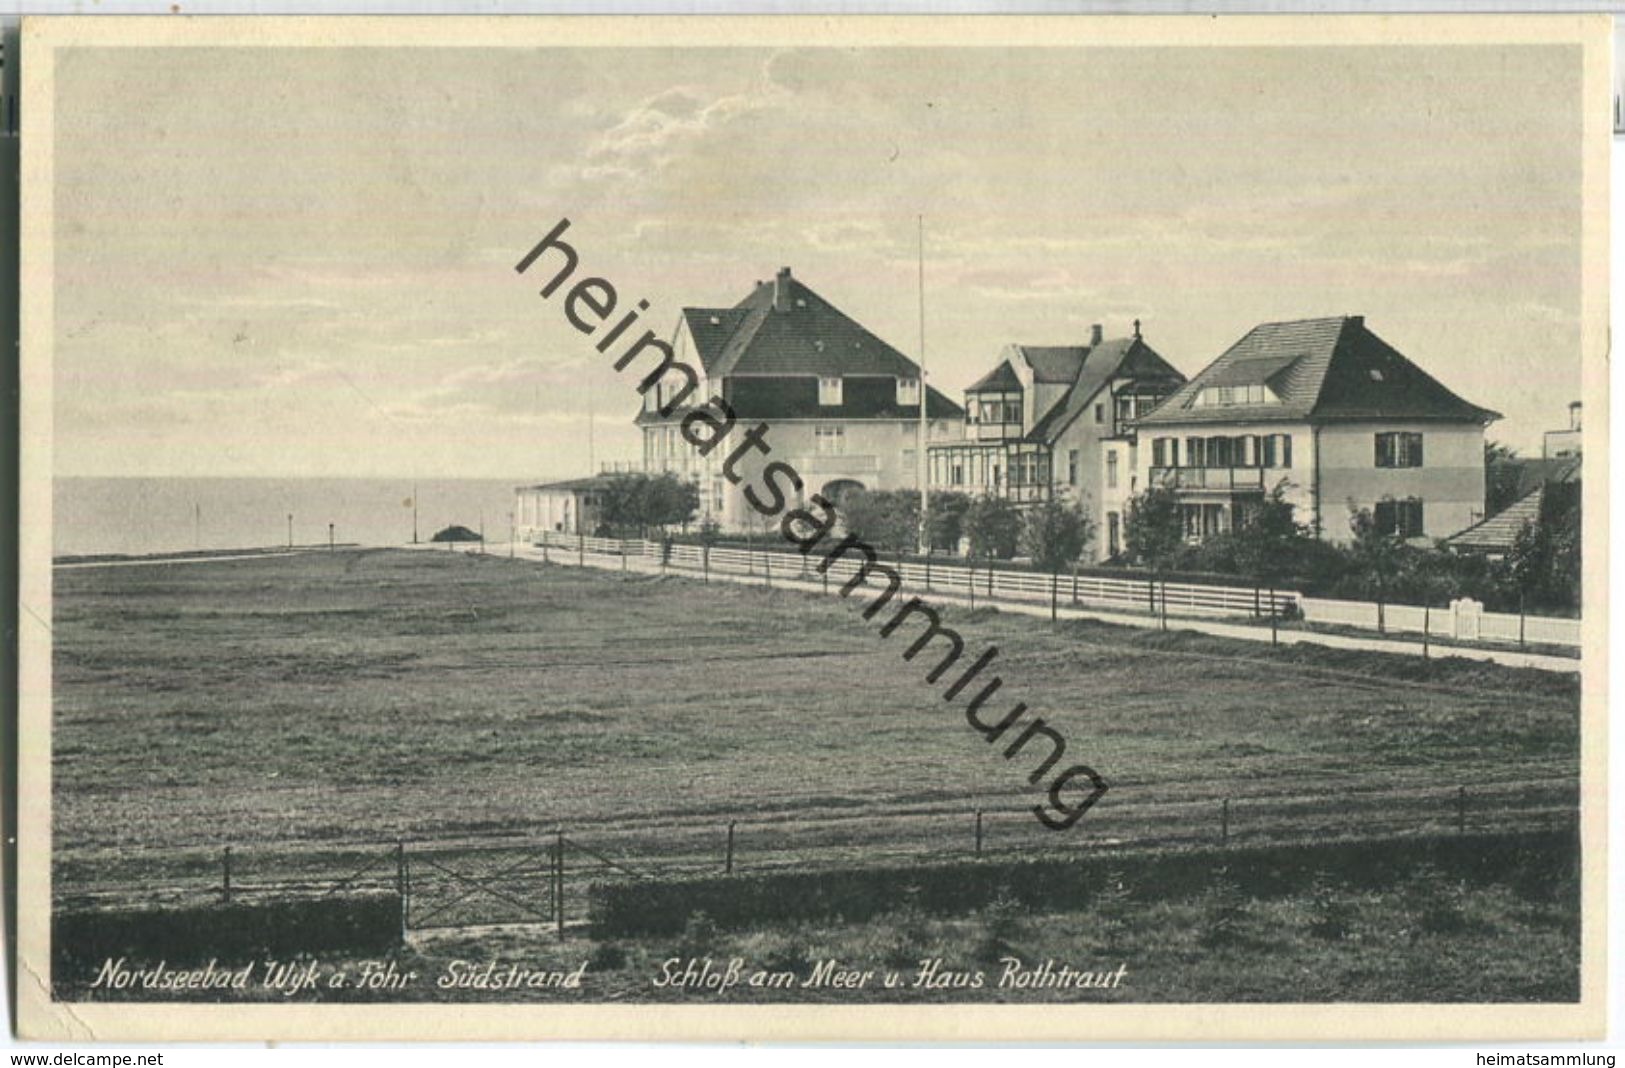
x=1209 y=479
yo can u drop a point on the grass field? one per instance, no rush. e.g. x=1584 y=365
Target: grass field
x=295 y=703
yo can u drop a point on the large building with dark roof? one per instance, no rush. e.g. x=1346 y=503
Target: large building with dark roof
x=1035 y=424
x=1334 y=415
x=842 y=405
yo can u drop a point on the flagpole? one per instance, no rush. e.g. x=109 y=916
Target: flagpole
x=925 y=394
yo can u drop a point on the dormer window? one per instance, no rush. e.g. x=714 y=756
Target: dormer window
x=908 y=391
x=1233 y=396
x=829 y=391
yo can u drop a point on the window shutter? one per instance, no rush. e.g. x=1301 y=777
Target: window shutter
x=1286 y=450
x=1416 y=453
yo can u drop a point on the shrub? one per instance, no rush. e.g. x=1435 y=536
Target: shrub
x=1001 y=922
x=1223 y=912
x=700 y=935
x=1331 y=912
x=1110 y=908
x=1434 y=903
x=608 y=957
x=622 y=909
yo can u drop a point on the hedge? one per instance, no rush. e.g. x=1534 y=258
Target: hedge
x=618 y=909
x=81 y=939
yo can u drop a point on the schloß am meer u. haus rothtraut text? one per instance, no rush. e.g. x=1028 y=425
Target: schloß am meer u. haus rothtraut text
x=590 y=303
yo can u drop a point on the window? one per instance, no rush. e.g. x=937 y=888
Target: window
x=1072 y=466
x=959 y=474
x=1125 y=409
x=1218 y=452
x=1100 y=413
x=1229 y=396
x=1111 y=469
x=1159 y=452
x=831 y=439
x=908 y=391
x=1402 y=518
x=1399 y=449
x=1276 y=450
x=1195 y=452
x=829 y=391
x=1113 y=533
x=1247 y=450
x=716 y=495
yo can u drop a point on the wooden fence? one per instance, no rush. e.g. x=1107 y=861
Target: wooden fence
x=1459 y=620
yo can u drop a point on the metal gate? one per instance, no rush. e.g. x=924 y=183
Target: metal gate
x=467 y=886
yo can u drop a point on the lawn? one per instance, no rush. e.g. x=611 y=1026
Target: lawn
x=332 y=704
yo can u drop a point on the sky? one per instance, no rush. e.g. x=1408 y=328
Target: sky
x=299 y=262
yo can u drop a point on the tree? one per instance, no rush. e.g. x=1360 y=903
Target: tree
x=993 y=527
x=1153 y=529
x=1055 y=535
x=889 y=520
x=1377 y=557
x=636 y=503
x=1271 y=540
x=1503 y=474
x=946 y=521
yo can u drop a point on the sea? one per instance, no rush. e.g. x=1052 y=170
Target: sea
x=135 y=516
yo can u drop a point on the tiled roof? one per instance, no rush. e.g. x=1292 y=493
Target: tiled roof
x=1055 y=364
x=1321 y=369
x=1499 y=531
x=807 y=337
x=1122 y=356
x=1002 y=379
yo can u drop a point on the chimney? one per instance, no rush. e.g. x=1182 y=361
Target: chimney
x=1136 y=330
x=1094 y=335
x=1574 y=415
x=781 y=290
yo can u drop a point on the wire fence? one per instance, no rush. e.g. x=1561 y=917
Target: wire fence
x=543 y=879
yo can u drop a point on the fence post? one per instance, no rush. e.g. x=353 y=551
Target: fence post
x=970 y=583
x=825 y=573
x=978 y=832
x=1164 y=613
x=1461 y=810
x=767 y=569
x=1427 y=624
x=1054 y=595
x=581 y=549
x=558 y=884
x=705 y=561
x=1224 y=822
x=927 y=572
x=1257 y=611
x=1074 y=585
x=623 y=558
x=729 y=866
x=1275 y=616
x=1520 y=619
x=225 y=882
